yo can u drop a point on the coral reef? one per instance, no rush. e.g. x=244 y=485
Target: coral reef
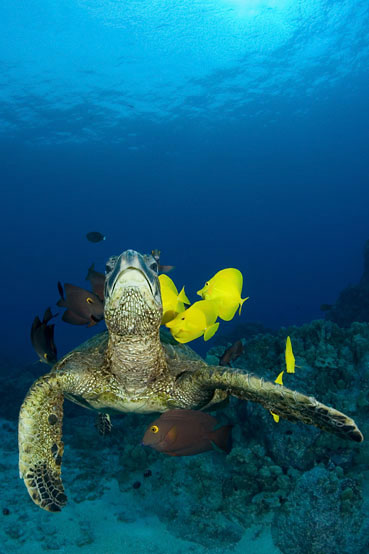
x=291 y=474
x=322 y=515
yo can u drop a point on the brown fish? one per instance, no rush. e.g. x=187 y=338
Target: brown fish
x=42 y=338
x=95 y=236
x=232 y=353
x=187 y=432
x=83 y=307
x=97 y=281
x=161 y=268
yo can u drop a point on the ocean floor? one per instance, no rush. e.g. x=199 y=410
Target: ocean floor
x=113 y=522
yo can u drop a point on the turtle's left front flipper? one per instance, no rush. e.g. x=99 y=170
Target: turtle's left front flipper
x=193 y=387
x=40 y=444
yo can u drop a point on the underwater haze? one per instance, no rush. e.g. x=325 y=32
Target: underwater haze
x=225 y=133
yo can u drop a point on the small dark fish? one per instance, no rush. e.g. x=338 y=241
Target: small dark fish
x=95 y=236
x=97 y=281
x=187 y=432
x=42 y=338
x=156 y=255
x=83 y=307
x=326 y=307
x=232 y=353
x=161 y=268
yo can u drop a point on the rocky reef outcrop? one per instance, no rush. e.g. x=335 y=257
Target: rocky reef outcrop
x=352 y=303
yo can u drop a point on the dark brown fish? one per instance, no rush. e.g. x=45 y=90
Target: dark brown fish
x=232 y=353
x=95 y=236
x=42 y=338
x=161 y=268
x=187 y=432
x=83 y=307
x=97 y=281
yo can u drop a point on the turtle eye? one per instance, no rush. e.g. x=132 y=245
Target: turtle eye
x=154 y=429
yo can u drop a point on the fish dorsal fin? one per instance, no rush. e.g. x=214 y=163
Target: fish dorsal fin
x=228 y=277
x=167 y=282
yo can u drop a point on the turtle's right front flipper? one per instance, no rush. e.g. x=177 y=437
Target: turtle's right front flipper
x=40 y=444
x=192 y=388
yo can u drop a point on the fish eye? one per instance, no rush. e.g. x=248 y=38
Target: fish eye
x=207 y=284
x=154 y=429
x=45 y=356
x=154 y=267
x=89 y=300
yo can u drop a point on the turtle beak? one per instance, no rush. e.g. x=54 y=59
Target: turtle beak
x=129 y=268
x=132 y=295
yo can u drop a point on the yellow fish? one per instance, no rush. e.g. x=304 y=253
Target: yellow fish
x=225 y=289
x=290 y=358
x=173 y=303
x=280 y=382
x=290 y=366
x=199 y=319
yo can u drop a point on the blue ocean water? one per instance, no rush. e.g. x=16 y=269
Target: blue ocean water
x=226 y=133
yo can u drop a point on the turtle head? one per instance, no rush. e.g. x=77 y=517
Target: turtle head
x=132 y=295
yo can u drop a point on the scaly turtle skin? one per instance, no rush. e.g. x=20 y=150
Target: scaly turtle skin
x=129 y=369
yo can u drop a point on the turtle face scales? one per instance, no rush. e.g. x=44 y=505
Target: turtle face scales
x=133 y=304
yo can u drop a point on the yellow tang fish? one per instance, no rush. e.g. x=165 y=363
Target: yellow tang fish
x=279 y=380
x=173 y=303
x=199 y=319
x=290 y=366
x=225 y=289
x=290 y=358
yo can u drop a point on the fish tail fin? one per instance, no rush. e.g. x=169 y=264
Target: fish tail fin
x=48 y=315
x=279 y=379
x=241 y=304
x=221 y=438
x=90 y=269
x=61 y=302
x=60 y=289
x=210 y=331
x=183 y=298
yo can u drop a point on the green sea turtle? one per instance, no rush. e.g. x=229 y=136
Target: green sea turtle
x=129 y=369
